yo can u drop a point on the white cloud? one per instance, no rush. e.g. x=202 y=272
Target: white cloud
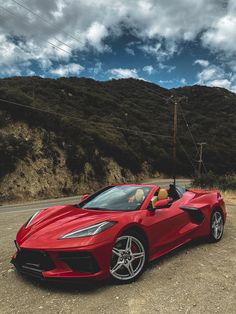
x=183 y=81
x=161 y=51
x=174 y=20
x=95 y=20
x=168 y=68
x=152 y=49
x=130 y=51
x=95 y=35
x=224 y=83
x=68 y=69
x=97 y=68
x=123 y=73
x=213 y=75
x=165 y=81
x=210 y=73
x=14 y=59
x=221 y=35
x=159 y=27
x=149 y=69
x=203 y=63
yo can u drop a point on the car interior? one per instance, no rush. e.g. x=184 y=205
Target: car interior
x=172 y=194
x=176 y=192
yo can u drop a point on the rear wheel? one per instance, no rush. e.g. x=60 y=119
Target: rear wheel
x=129 y=256
x=217 y=226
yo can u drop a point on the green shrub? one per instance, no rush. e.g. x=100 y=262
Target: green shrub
x=127 y=103
x=12 y=149
x=211 y=180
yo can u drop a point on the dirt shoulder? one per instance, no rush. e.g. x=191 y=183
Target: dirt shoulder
x=198 y=278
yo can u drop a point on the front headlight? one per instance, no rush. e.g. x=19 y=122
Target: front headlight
x=89 y=231
x=29 y=221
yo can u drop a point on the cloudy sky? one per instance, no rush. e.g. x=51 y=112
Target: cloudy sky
x=171 y=43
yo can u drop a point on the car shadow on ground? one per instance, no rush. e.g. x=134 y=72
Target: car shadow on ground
x=66 y=286
x=183 y=249
x=88 y=286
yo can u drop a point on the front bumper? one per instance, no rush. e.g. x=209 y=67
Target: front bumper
x=91 y=262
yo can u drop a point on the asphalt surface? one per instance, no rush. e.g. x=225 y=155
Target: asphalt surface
x=36 y=205
x=197 y=278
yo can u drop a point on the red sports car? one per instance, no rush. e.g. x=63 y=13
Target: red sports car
x=116 y=231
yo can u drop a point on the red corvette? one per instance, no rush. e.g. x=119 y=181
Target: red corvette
x=116 y=231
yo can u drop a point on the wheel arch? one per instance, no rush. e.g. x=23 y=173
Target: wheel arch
x=217 y=207
x=137 y=232
x=136 y=229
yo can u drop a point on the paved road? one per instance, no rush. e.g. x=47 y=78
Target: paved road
x=36 y=205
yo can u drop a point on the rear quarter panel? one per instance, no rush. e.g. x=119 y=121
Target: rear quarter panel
x=207 y=202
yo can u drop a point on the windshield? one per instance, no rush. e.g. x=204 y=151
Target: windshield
x=117 y=198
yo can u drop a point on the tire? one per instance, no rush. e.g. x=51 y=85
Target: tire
x=216 y=226
x=129 y=258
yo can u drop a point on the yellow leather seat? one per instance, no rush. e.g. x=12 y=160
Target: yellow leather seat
x=162 y=194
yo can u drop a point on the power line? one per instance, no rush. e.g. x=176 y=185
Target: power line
x=57 y=47
x=187 y=155
x=100 y=125
x=44 y=20
x=191 y=134
x=53 y=45
x=187 y=125
x=60 y=41
x=82 y=120
x=166 y=98
x=175 y=101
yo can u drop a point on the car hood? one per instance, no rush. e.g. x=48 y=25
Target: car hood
x=52 y=223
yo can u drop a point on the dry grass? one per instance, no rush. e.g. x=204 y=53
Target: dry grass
x=229 y=196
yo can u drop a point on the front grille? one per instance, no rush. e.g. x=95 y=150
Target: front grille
x=83 y=262
x=33 y=261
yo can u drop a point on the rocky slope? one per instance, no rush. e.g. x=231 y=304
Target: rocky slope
x=114 y=134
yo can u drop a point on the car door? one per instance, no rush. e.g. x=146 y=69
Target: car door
x=166 y=227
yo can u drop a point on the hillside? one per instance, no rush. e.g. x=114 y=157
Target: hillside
x=104 y=140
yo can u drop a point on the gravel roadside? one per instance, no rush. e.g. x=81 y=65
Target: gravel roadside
x=197 y=278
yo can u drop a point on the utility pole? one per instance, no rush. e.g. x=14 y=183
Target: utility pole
x=33 y=93
x=175 y=141
x=200 y=161
x=175 y=100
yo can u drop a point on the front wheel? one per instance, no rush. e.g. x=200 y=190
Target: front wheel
x=217 y=226
x=129 y=258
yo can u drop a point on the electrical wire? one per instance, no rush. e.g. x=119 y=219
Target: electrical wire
x=187 y=155
x=57 y=47
x=101 y=126
x=82 y=120
x=191 y=134
x=167 y=99
x=44 y=20
x=136 y=132
x=53 y=45
x=187 y=125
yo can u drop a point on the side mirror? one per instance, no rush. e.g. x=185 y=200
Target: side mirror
x=162 y=203
x=84 y=197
